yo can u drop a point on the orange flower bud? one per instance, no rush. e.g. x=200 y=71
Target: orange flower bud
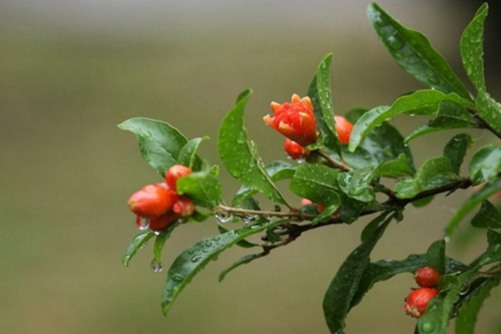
x=343 y=129
x=294 y=150
x=295 y=120
x=174 y=173
x=183 y=207
x=152 y=200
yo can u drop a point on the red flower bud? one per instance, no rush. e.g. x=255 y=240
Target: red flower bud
x=152 y=200
x=295 y=120
x=162 y=222
x=294 y=150
x=417 y=301
x=183 y=207
x=343 y=129
x=174 y=173
x=427 y=277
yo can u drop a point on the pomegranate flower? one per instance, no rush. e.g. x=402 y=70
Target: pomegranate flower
x=295 y=120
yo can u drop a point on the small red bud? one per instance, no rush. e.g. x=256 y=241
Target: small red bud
x=174 y=173
x=162 y=222
x=184 y=207
x=305 y=201
x=343 y=129
x=427 y=277
x=294 y=150
x=417 y=301
x=152 y=200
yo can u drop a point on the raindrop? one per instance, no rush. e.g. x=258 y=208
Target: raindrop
x=143 y=223
x=156 y=266
x=426 y=327
x=208 y=243
x=395 y=42
x=196 y=258
x=300 y=160
x=156 y=232
x=465 y=290
x=447 y=239
x=178 y=278
x=223 y=217
x=249 y=219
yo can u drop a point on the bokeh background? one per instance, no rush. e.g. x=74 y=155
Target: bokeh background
x=71 y=70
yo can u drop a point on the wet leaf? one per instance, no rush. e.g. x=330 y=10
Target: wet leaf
x=485 y=165
x=243 y=260
x=455 y=150
x=160 y=143
x=316 y=183
x=203 y=187
x=488 y=216
x=137 y=243
x=414 y=53
x=188 y=155
x=239 y=155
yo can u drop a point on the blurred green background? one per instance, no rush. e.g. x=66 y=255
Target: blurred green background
x=71 y=70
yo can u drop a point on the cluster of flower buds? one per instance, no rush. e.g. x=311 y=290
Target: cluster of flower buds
x=157 y=206
x=296 y=121
x=417 y=301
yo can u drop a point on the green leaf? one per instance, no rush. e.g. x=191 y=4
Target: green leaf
x=196 y=257
x=425 y=102
x=485 y=164
x=357 y=184
x=434 y=173
x=203 y=188
x=339 y=296
x=160 y=143
x=472 y=48
x=242 y=243
x=317 y=183
x=493 y=252
x=243 y=260
x=397 y=168
x=488 y=216
x=385 y=269
x=160 y=240
x=414 y=53
x=239 y=154
x=465 y=322
x=320 y=94
x=188 y=155
x=435 y=256
x=277 y=170
x=455 y=150
x=137 y=243
x=490 y=111
x=474 y=200
x=450 y=116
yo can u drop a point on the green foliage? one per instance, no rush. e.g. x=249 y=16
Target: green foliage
x=374 y=175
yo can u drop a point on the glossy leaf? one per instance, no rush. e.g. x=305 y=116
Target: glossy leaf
x=434 y=173
x=465 y=322
x=188 y=155
x=339 y=296
x=357 y=184
x=242 y=243
x=488 y=216
x=320 y=94
x=397 y=168
x=203 y=188
x=239 y=154
x=160 y=143
x=196 y=257
x=137 y=243
x=472 y=48
x=455 y=150
x=425 y=102
x=485 y=164
x=316 y=183
x=490 y=111
x=478 y=197
x=160 y=240
x=414 y=53
x=277 y=170
x=243 y=260
x=435 y=256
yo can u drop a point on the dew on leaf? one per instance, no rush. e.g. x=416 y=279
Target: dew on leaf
x=426 y=327
x=395 y=42
x=196 y=258
x=143 y=224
